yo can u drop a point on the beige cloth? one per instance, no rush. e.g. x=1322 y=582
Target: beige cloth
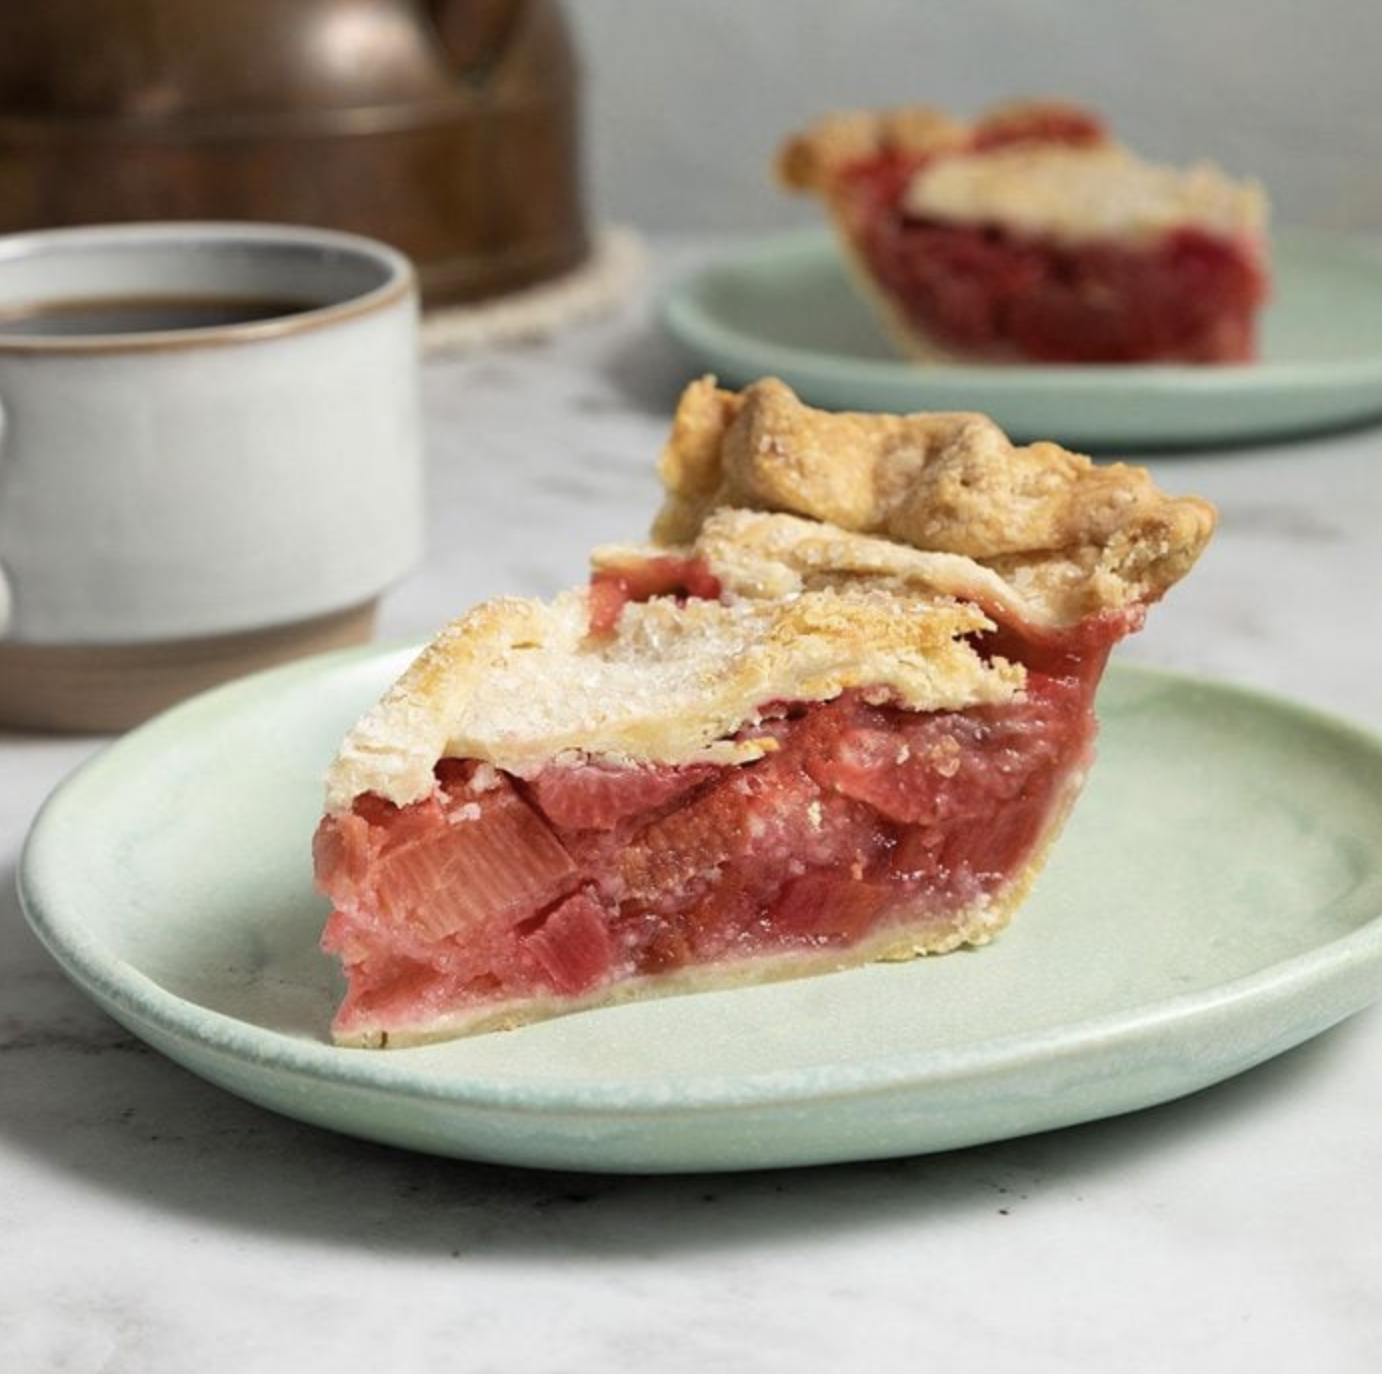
x=607 y=277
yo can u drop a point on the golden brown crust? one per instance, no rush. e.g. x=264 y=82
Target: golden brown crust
x=812 y=159
x=854 y=550
x=1074 y=538
x=1010 y=170
x=1059 y=194
x=520 y=683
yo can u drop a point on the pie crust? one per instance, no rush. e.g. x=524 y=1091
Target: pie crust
x=1029 y=234
x=814 y=582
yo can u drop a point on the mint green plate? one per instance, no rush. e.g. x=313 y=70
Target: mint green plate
x=1214 y=902
x=784 y=307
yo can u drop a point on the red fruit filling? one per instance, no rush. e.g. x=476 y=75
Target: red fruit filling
x=864 y=815
x=1190 y=297
x=1042 y=124
x=611 y=589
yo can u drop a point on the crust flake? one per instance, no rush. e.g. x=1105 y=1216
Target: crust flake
x=1076 y=537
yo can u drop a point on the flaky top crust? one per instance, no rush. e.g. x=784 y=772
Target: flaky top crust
x=1092 y=189
x=807 y=613
x=1069 y=537
x=853 y=552
x=813 y=158
x=1072 y=195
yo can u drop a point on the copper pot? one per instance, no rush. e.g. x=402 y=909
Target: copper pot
x=448 y=128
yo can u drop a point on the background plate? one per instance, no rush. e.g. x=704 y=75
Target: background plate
x=785 y=307
x=1198 y=917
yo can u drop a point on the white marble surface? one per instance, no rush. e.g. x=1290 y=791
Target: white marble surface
x=150 y=1223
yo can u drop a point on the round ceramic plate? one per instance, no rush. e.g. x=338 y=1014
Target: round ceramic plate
x=1198 y=916
x=785 y=307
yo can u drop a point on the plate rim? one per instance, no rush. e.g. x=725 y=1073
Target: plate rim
x=139 y=1002
x=681 y=308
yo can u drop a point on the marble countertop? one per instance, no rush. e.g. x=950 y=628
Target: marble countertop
x=150 y=1222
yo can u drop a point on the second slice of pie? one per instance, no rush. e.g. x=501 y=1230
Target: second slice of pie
x=1031 y=236
x=836 y=711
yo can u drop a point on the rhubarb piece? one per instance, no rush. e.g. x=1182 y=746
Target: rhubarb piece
x=1031 y=236
x=837 y=711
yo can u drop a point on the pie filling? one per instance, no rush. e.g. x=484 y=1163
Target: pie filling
x=862 y=818
x=1189 y=295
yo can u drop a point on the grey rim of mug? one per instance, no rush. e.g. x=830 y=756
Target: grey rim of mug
x=384 y=276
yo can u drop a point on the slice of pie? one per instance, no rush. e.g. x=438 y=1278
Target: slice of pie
x=1031 y=236
x=835 y=712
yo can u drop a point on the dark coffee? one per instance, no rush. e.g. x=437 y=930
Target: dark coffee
x=142 y=314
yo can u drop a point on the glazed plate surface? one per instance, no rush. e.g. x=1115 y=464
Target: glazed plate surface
x=1201 y=914
x=784 y=306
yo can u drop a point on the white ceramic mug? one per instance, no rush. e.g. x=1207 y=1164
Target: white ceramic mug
x=206 y=429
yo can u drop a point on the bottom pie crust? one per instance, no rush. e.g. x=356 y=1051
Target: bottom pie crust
x=934 y=935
